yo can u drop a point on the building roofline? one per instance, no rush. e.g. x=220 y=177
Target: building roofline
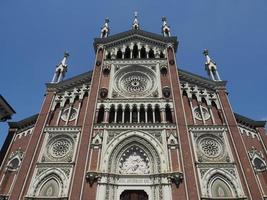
x=1 y=97
x=249 y=122
x=24 y=122
x=8 y=111
x=203 y=81
x=132 y=32
x=79 y=79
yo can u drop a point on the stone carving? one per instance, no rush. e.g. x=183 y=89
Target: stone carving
x=60 y=148
x=134 y=161
x=210 y=147
x=135 y=81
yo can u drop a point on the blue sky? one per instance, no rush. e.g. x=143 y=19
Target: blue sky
x=34 y=35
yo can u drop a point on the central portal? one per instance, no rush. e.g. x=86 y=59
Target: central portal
x=134 y=195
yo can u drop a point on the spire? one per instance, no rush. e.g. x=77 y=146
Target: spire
x=165 y=29
x=135 y=22
x=61 y=69
x=210 y=67
x=105 y=29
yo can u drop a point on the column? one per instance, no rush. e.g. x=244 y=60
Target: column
x=154 y=119
x=122 y=119
x=115 y=115
x=131 y=115
x=106 y=115
x=146 y=115
x=163 y=115
x=138 y=115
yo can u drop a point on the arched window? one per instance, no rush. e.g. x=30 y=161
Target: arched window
x=50 y=189
x=135 y=51
x=167 y=33
x=162 y=55
x=119 y=54
x=108 y=56
x=220 y=188
x=157 y=114
x=151 y=53
x=101 y=112
x=127 y=114
x=111 y=114
x=52 y=116
x=127 y=53
x=168 y=114
x=143 y=52
x=259 y=164
x=142 y=114
x=119 y=114
x=14 y=164
x=149 y=114
x=134 y=114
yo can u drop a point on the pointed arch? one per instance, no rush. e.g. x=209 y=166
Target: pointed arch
x=157 y=114
x=134 y=114
x=127 y=53
x=135 y=51
x=168 y=114
x=119 y=114
x=142 y=114
x=151 y=149
x=219 y=182
x=119 y=54
x=50 y=183
x=127 y=114
x=151 y=54
x=143 y=52
x=112 y=114
x=101 y=113
x=220 y=187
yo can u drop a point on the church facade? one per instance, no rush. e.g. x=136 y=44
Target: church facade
x=136 y=127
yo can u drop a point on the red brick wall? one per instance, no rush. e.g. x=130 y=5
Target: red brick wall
x=185 y=150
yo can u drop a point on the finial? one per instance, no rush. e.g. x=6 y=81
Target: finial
x=135 y=22
x=61 y=69
x=165 y=29
x=211 y=67
x=206 y=52
x=105 y=28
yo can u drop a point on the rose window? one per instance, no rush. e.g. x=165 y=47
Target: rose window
x=60 y=148
x=210 y=147
x=135 y=81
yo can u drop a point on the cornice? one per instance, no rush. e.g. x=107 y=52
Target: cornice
x=70 y=83
x=134 y=126
x=135 y=34
x=248 y=122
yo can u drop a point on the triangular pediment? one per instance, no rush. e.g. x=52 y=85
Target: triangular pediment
x=133 y=36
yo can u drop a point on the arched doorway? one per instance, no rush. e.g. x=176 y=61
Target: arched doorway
x=133 y=195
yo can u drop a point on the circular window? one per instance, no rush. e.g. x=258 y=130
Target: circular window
x=135 y=81
x=73 y=114
x=197 y=113
x=210 y=147
x=59 y=147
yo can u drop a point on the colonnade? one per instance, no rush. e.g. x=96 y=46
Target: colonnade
x=143 y=113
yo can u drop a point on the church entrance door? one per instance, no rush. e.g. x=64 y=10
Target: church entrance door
x=134 y=195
